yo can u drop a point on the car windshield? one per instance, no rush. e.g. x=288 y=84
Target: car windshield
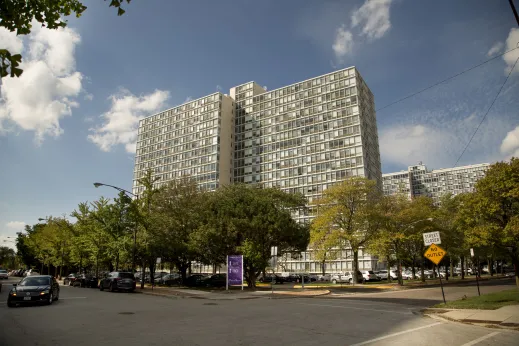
x=35 y=282
x=126 y=275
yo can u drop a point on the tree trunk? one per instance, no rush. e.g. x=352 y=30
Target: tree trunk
x=323 y=266
x=97 y=264
x=413 y=269
x=400 y=279
x=183 y=271
x=143 y=273
x=355 y=266
x=462 y=259
x=491 y=265
x=117 y=262
x=388 y=270
x=422 y=270
x=452 y=268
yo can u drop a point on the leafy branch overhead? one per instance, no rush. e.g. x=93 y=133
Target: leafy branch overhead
x=18 y=16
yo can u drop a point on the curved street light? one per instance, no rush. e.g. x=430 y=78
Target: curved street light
x=129 y=194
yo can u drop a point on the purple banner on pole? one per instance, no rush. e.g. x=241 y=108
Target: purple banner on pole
x=234 y=270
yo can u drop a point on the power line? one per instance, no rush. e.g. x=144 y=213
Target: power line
x=447 y=79
x=488 y=110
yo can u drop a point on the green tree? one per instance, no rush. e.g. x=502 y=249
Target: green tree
x=7 y=257
x=176 y=212
x=18 y=16
x=347 y=214
x=491 y=213
x=254 y=219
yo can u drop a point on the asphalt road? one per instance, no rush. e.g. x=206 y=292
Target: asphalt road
x=89 y=317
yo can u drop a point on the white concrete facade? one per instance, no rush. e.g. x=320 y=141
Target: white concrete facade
x=301 y=138
x=419 y=181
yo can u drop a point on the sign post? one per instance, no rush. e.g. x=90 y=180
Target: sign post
x=234 y=271
x=432 y=238
x=435 y=254
x=477 y=272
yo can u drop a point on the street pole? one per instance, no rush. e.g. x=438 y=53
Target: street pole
x=441 y=285
x=514 y=10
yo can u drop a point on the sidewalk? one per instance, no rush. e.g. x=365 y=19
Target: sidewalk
x=228 y=295
x=507 y=316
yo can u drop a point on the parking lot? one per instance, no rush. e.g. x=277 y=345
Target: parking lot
x=85 y=316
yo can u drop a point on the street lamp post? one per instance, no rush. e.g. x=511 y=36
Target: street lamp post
x=128 y=193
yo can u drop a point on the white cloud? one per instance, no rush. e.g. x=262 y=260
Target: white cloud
x=218 y=88
x=9 y=41
x=15 y=225
x=510 y=144
x=511 y=43
x=496 y=49
x=373 y=16
x=410 y=144
x=46 y=91
x=343 y=42
x=122 y=120
x=89 y=97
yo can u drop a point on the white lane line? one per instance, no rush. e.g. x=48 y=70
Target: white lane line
x=478 y=340
x=357 y=308
x=395 y=334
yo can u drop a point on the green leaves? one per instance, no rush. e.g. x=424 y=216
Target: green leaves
x=9 y=64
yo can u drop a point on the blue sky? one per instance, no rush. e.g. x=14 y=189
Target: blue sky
x=70 y=120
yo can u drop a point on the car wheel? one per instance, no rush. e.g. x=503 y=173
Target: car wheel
x=101 y=288
x=51 y=299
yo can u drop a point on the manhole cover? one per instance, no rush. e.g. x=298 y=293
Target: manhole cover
x=126 y=313
x=210 y=304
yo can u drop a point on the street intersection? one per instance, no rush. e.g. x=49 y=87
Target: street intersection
x=89 y=317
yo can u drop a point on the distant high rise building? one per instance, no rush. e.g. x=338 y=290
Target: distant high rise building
x=300 y=138
x=419 y=181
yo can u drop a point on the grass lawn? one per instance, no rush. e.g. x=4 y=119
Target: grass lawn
x=489 y=301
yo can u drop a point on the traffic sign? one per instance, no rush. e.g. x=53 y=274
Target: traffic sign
x=431 y=238
x=435 y=253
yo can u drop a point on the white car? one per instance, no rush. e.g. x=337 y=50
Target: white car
x=4 y=274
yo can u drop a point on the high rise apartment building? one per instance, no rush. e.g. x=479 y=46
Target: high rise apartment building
x=300 y=138
x=194 y=139
x=419 y=181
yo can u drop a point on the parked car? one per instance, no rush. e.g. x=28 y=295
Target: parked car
x=170 y=279
x=85 y=280
x=4 y=274
x=69 y=279
x=268 y=278
x=369 y=275
x=340 y=278
x=34 y=289
x=216 y=280
x=118 y=281
x=31 y=272
x=195 y=280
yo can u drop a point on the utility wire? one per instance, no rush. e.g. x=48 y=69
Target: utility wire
x=447 y=79
x=488 y=110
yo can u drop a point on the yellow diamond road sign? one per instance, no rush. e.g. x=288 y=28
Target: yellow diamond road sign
x=435 y=253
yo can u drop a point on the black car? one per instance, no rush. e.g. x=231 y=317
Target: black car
x=118 y=281
x=195 y=280
x=34 y=289
x=216 y=280
x=269 y=278
x=85 y=280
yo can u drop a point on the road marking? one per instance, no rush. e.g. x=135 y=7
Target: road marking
x=478 y=340
x=357 y=308
x=395 y=334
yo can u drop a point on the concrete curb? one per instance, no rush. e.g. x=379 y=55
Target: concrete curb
x=485 y=323
x=207 y=296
